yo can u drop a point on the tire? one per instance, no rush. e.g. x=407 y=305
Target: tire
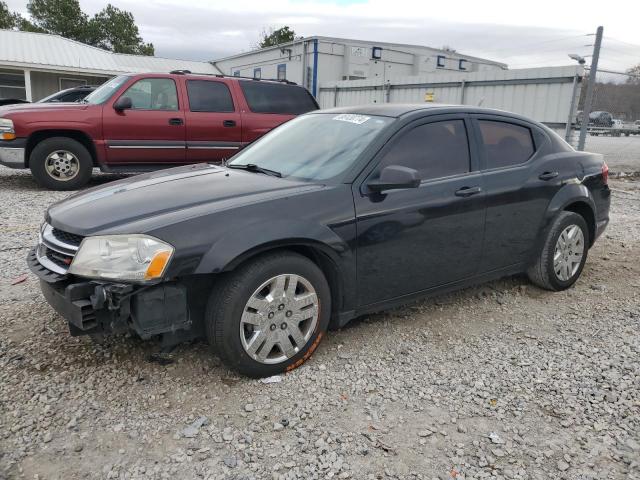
x=235 y=340
x=543 y=272
x=54 y=159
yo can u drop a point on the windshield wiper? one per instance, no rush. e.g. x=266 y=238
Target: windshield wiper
x=252 y=167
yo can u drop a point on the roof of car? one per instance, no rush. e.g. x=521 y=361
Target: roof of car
x=399 y=109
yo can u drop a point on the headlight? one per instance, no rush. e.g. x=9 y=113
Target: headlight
x=137 y=258
x=6 y=129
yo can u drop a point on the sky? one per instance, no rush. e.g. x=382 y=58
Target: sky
x=521 y=34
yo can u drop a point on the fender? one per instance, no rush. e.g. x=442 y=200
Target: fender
x=572 y=192
x=238 y=245
x=568 y=194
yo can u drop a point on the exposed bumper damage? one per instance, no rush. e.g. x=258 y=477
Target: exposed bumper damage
x=96 y=307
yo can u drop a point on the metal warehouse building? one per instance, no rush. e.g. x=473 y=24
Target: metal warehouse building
x=34 y=65
x=315 y=60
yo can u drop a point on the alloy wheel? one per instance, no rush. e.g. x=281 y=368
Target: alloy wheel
x=279 y=318
x=62 y=165
x=568 y=253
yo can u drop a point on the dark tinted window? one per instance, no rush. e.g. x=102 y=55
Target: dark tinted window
x=209 y=96
x=264 y=97
x=435 y=150
x=505 y=143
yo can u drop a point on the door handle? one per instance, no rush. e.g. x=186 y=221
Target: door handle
x=229 y=123
x=468 y=191
x=176 y=121
x=548 y=176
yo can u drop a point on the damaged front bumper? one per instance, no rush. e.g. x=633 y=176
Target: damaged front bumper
x=96 y=307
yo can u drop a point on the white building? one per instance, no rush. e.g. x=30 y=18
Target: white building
x=34 y=65
x=315 y=60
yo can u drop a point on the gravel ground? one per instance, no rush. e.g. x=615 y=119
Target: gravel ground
x=499 y=381
x=621 y=153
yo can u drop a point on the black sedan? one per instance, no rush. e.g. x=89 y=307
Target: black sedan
x=332 y=215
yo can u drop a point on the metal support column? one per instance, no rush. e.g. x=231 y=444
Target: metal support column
x=572 y=109
x=27 y=85
x=592 y=83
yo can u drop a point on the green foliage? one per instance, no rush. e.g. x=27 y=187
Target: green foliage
x=273 y=37
x=112 y=29
x=8 y=20
x=62 y=17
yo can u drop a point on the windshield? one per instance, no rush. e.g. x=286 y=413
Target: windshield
x=105 y=91
x=313 y=147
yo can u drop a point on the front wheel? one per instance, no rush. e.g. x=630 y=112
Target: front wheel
x=269 y=316
x=563 y=255
x=61 y=163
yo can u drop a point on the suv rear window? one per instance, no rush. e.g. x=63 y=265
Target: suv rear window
x=209 y=96
x=264 y=97
x=506 y=144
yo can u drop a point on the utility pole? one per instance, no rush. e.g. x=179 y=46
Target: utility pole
x=593 y=70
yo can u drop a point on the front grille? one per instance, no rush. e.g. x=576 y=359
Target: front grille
x=66 y=237
x=56 y=249
x=63 y=261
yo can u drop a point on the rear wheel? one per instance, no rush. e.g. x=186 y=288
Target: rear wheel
x=270 y=315
x=61 y=163
x=563 y=255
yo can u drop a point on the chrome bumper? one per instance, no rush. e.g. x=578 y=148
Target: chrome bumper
x=12 y=157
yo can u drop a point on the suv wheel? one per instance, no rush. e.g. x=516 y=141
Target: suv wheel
x=269 y=316
x=61 y=163
x=563 y=255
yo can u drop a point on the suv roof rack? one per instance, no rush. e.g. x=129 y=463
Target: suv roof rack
x=219 y=75
x=288 y=82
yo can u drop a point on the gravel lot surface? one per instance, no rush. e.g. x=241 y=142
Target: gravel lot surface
x=502 y=380
x=621 y=153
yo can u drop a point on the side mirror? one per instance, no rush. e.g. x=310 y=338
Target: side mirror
x=395 y=177
x=123 y=103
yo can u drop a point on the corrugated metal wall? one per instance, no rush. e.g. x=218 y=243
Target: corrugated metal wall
x=544 y=94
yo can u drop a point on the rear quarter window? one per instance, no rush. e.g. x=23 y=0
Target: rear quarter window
x=263 y=97
x=506 y=144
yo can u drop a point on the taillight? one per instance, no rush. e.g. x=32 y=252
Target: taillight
x=605 y=173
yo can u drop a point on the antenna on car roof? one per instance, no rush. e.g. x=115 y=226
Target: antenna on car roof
x=180 y=72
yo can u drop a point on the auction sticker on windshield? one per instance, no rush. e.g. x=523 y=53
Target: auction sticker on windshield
x=352 y=118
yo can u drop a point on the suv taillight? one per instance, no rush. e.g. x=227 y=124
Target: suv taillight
x=605 y=173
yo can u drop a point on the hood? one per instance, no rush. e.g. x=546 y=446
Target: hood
x=145 y=202
x=42 y=107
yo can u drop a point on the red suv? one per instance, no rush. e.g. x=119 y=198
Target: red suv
x=143 y=122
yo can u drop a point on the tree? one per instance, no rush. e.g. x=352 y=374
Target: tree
x=114 y=29
x=273 y=37
x=8 y=20
x=634 y=75
x=61 y=17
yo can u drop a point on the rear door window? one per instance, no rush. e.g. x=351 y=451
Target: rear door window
x=209 y=96
x=263 y=97
x=506 y=144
